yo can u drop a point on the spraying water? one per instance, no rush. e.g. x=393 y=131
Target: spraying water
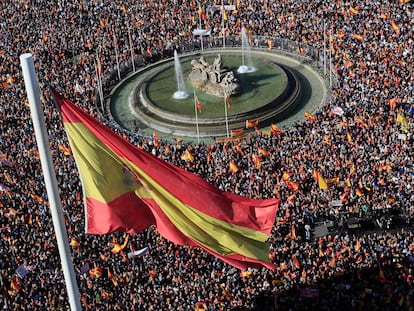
x=181 y=92
x=246 y=55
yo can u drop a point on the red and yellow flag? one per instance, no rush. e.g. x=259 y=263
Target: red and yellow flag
x=223 y=11
x=357 y=36
x=290 y=183
x=309 y=116
x=263 y=152
x=275 y=130
x=252 y=123
x=187 y=156
x=74 y=243
x=127 y=189
x=112 y=277
x=118 y=247
x=353 y=10
x=198 y=104
x=296 y=261
x=269 y=44
x=256 y=161
x=395 y=27
x=320 y=180
x=200 y=306
x=201 y=12
x=361 y=122
x=237 y=133
x=293 y=232
x=14 y=285
x=233 y=167
x=96 y=272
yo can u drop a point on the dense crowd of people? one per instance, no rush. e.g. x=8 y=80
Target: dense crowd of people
x=360 y=141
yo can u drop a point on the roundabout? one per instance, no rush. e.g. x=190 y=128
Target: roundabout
x=278 y=91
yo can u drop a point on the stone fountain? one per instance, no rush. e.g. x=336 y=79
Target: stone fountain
x=214 y=79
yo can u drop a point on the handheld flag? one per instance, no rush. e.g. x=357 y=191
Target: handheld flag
x=320 y=180
x=252 y=123
x=237 y=133
x=353 y=10
x=233 y=167
x=357 y=36
x=395 y=27
x=127 y=189
x=223 y=11
x=309 y=116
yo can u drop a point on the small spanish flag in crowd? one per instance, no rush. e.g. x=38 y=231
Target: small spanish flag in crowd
x=270 y=44
x=320 y=180
x=187 y=156
x=14 y=285
x=358 y=37
x=263 y=152
x=233 y=167
x=308 y=116
x=256 y=161
x=395 y=27
x=252 y=123
x=112 y=277
x=96 y=272
x=200 y=306
x=359 y=192
x=353 y=10
x=296 y=261
x=237 y=133
x=275 y=130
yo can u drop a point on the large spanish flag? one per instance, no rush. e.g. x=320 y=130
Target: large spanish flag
x=127 y=189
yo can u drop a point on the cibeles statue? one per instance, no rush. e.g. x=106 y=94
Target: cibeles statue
x=214 y=79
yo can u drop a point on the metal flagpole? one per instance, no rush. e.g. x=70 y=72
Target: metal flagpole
x=33 y=94
x=100 y=89
x=132 y=50
x=196 y=115
x=225 y=114
x=116 y=53
x=199 y=27
x=222 y=25
x=330 y=60
x=324 y=50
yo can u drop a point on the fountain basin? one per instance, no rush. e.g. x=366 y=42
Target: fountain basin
x=272 y=90
x=123 y=111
